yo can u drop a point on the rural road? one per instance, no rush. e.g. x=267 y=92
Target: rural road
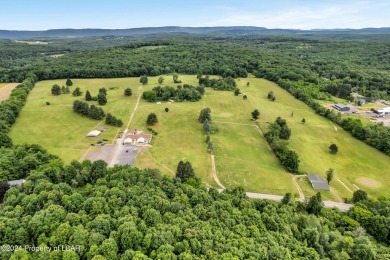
x=119 y=148
x=327 y=204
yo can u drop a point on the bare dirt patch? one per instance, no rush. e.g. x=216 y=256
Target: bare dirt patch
x=368 y=182
x=6 y=90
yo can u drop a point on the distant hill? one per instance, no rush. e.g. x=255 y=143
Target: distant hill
x=244 y=30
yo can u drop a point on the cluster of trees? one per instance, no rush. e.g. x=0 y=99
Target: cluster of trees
x=227 y=83
x=18 y=161
x=57 y=90
x=127 y=213
x=10 y=108
x=91 y=111
x=376 y=135
x=277 y=136
x=101 y=98
x=112 y=120
x=180 y=93
x=95 y=112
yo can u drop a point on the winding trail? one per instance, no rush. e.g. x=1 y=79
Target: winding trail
x=214 y=171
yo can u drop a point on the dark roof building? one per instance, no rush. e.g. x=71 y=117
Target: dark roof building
x=318 y=182
x=341 y=107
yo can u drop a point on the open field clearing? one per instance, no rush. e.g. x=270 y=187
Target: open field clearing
x=6 y=89
x=355 y=159
x=241 y=153
x=60 y=130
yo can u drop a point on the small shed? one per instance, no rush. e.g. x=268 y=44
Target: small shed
x=341 y=107
x=94 y=133
x=318 y=182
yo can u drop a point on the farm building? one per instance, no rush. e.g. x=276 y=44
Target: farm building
x=341 y=107
x=383 y=111
x=137 y=137
x=318 y=182
x=94 y=133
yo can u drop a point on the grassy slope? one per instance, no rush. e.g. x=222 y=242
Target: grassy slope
x=58 y=128
x=242 y=156
x=311 y=141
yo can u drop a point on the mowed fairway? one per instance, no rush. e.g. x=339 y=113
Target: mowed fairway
x=356 y=163
x=241 y=153
x=60 y=130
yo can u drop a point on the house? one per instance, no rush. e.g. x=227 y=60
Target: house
x=135 y=137
x=383 y=111
x=341 y=107
x=16 y=182
x=94 y=133
x=318 y=182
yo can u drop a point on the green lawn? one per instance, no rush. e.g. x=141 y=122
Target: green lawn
x=61 y=131
x=355 y=160
x=3 y=84
x=241 y=152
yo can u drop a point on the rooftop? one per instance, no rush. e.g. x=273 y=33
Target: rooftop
x=318 y=182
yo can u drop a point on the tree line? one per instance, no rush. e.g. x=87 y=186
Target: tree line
x=183 y=92
x=277 y=136
x=127 y=213
x=95 y=112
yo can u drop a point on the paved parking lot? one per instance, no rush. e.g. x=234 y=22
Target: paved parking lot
x=125 y=154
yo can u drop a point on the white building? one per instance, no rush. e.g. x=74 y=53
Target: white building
x=383 y=111
x=94 y=133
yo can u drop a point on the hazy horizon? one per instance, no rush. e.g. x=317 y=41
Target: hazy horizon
x=24 y=15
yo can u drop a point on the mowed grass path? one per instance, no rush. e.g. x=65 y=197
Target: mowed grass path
x=241 y=153
x=356 y=162
x=60 y=130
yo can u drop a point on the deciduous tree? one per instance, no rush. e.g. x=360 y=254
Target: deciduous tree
x=255 y=114
x=152 y=119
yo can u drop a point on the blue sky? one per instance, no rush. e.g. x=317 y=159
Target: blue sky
x=118 y=14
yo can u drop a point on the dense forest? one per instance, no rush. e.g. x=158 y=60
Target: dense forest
x=126 y=213
x=309 y=69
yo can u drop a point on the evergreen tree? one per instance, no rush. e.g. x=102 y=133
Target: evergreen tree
x=101 y=98
x=206 y=126
x=77 y=92
x=205 y=113
x=329 y=175
x=56 y=90
x=255 y=114
x=128 y=92
x=88 y=96
x=69 y=82
x=333 y=148
x=185 y=171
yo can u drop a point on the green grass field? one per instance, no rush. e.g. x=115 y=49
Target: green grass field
x=3 y=84
x=356 y=163
x=241 y=152
x=61 y=131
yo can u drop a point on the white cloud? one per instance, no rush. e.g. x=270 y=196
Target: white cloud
x=357 y=15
